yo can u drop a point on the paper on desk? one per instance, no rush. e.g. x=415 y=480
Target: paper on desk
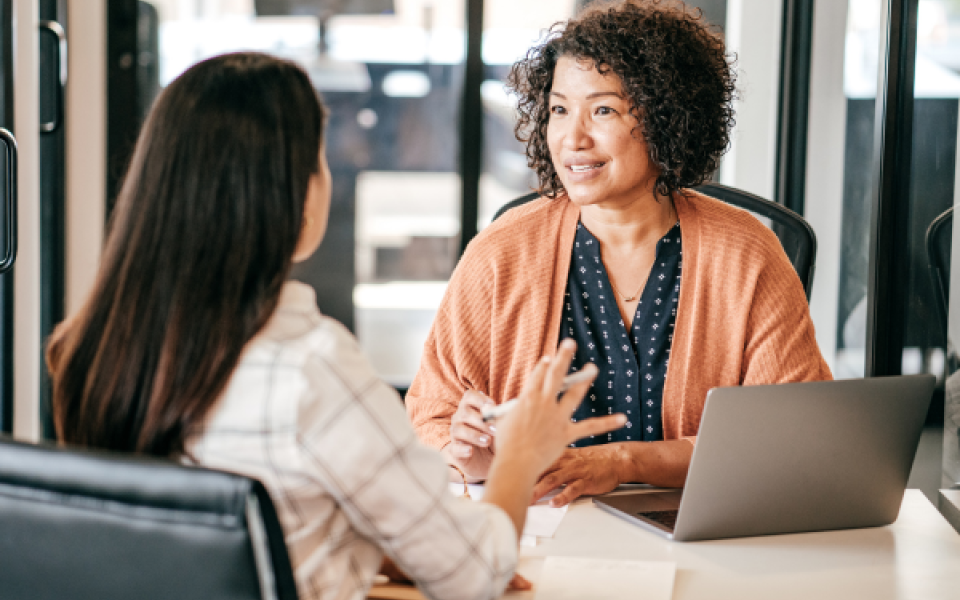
x=542 y=519
x=566 y=578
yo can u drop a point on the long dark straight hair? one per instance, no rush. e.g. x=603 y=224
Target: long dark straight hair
x=199 y=245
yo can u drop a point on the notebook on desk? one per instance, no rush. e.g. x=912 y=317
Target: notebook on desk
x=791 y=458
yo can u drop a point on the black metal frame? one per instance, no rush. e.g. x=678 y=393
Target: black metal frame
x=53 y=17
x=50 y=25
x=124 y=104
x=6 y=280
x=890 y=218
x=471 y=125
x=795 y=62
x=6 y=65
x=9 y=201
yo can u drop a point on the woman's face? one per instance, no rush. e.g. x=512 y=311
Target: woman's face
x=590 y=137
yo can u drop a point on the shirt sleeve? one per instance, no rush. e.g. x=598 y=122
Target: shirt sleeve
x=355 y=439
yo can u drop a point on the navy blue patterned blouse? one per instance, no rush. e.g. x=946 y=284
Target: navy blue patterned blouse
x=632 y=365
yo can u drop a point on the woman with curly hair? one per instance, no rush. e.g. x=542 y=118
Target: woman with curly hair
x=669 y=292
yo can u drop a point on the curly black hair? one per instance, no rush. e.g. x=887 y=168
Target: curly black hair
x=674 y=70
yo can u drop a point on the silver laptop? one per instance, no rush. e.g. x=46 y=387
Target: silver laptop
x=791 y=458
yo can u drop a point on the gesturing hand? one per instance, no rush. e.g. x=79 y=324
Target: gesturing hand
x=539 y=427
x=535 y=432
x=471 y=440
x=591 y=470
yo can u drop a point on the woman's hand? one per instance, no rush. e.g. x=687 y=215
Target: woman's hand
x=539 y=428
x=585 y=471
x=599 y=469
x=536 y=431
x=393 y=572
x=519 y=583
x=471 y=440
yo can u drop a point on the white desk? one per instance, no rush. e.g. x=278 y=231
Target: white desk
x=916 y=557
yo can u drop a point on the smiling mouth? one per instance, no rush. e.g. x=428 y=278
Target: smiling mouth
x=585 y=168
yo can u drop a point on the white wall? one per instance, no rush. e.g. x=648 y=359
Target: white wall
x=26 y=303
x=824 y=181
x=753 y=33
x=86 y=146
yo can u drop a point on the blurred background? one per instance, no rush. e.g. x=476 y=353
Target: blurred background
x=421 y=146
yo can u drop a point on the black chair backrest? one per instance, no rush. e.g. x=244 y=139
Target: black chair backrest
x=514 y=203
x=938 y=241
x=795 y=234
x=101 y=526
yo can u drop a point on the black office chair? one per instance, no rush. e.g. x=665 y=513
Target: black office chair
x=100 y=526
x=795 y=234
x=938 y=240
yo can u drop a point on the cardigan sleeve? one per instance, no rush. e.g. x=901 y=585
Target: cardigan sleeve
x=780 y=343
x=456 y=355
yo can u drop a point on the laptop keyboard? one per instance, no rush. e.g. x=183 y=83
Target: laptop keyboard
x=667 y=518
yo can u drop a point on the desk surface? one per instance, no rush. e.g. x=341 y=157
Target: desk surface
x=916 y=557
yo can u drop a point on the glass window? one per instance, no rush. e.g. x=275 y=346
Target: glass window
x=840 y=186
x=397 y=148
x=510 y=29
x=933 y=314
x=840 y=172
x=391 y=73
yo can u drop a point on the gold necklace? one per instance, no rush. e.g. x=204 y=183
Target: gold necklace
x=619 y=293
x=631 y=298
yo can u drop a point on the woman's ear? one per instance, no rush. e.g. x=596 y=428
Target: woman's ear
x=316 y=207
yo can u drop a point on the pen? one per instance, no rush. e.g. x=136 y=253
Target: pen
x=495 y=412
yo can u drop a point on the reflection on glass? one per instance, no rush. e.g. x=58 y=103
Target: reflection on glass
x=937 y=190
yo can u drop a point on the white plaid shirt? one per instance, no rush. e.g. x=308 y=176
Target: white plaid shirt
x=305 y=414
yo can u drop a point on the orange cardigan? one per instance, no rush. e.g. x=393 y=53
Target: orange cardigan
x=742 y=317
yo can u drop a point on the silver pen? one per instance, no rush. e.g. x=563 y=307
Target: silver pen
x=491 y=413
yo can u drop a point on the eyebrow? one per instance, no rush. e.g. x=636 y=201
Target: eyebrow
x=590 y=96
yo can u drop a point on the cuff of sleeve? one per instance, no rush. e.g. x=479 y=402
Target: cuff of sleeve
x=434 y=435
x=494 y=561
x=509 y=553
